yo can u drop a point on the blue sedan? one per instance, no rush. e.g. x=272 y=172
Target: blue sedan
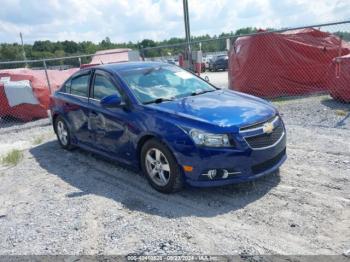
x=174 y=126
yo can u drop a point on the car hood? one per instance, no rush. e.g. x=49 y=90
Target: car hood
x=223 y=108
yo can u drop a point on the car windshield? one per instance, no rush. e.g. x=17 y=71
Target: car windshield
x=163 y=83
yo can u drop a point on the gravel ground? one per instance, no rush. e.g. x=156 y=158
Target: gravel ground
x=59 y=202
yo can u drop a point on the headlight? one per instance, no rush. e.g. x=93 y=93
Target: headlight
x=207 y=139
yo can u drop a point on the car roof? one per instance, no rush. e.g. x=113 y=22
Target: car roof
x=121 y=66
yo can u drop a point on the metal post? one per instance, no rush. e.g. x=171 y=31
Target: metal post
x=23 y=51
x=228 y=44
x=47 y=76
x=187 y=30
x=142 y=52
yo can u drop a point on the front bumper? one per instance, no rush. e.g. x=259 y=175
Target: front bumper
x=237 y=179
x=248 y=164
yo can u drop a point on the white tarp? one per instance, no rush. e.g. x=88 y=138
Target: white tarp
x=18 y=92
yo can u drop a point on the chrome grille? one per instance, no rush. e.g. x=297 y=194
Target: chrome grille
x=259 y=125
x=266 y=140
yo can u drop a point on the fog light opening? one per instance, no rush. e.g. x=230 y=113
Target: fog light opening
x=211 y=174
x=224 y=174
x=220 y=174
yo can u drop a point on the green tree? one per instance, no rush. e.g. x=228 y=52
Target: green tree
x=70 y=47
x=106 y=43
x=48 y=49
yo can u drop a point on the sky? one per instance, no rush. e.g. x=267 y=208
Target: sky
x=134 y=20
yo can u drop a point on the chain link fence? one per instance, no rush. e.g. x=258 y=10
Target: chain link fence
x=26 y=86
x=303 y=71
x=273 y=64
x=276 y=65
x=298 y=62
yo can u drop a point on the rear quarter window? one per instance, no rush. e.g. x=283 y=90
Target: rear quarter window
x=80 y=85
x=65 y=87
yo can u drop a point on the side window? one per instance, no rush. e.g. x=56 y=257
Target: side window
x=66 y=87
x=80 y=85
x=103 y=87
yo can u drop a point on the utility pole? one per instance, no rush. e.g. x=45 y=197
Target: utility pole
x=187 y=30
x=23 y=51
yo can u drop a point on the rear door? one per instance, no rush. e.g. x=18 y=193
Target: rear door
x=108 y=125
x=76 y=106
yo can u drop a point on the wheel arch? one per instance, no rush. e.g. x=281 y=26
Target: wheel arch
x=55 y=116
x=147 y=137
x=140 y=144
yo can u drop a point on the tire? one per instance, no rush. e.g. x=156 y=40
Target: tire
x=63 y=133
x=160 y=167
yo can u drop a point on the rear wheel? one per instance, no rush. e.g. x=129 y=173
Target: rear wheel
x=63 y=133
x=160 y=167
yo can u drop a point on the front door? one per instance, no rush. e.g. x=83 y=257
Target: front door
x=107 y=125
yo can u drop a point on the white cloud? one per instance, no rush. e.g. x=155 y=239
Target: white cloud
x=132 y=20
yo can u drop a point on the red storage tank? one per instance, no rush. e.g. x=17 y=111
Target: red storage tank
x=283 y=64
x=339 y=78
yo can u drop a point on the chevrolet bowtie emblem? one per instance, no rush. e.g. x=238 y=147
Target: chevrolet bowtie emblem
x=268 y=128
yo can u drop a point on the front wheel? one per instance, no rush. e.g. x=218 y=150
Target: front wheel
x=160 y=167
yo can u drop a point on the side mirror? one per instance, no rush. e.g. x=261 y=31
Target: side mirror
x=206 y=78
x=111 y=101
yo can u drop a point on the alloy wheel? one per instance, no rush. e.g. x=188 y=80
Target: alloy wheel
x=62 y=132
x=157 y=166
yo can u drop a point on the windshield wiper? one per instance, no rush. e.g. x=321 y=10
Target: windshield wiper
x=158 y=100
x=201 y=92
